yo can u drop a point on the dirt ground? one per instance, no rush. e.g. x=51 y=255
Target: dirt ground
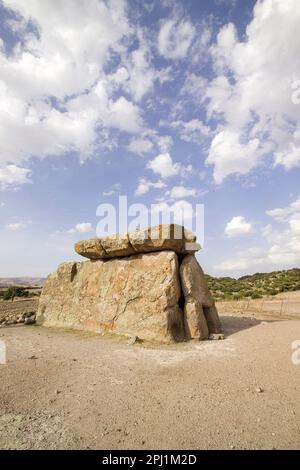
x=68 y=390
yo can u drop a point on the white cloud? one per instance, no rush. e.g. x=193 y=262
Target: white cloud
x=250 y=94
x=290 y=157
x=64 y=61
x=83 y=227
x=164 y=166
x=195 y=86
x=175 y=37
x=282 y=214
x=180 y=211
x=14 y=227
x=145 y=185
x=142 y=75
x=137 y=76
x=65 y=58
x=282 y=250
x=164 y=143
x=238 y=226
x=229 y=155
x=124 y=115
x=12 y=176
x=191 y=131
x=180 y=192
x=140 y=146
x=243 y=261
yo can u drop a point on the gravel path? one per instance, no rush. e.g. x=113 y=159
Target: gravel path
x=62 y=390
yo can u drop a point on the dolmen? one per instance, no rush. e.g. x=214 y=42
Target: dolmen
x=146 y=284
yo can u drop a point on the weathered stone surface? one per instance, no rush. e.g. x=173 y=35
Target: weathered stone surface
x=195 y=324
x=213 y=320
x=158 y=238
x=91 y=249
x=201 y=316
x=137 y=295
x=117 y=245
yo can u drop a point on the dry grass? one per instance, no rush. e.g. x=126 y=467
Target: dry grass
x=282 y=306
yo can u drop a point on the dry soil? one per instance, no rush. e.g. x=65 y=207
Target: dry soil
x=66 y=390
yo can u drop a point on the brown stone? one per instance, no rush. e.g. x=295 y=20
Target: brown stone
x=91 y=249
x=201 y=316
x=136 y=295
x=117 y=245
x=158 y=238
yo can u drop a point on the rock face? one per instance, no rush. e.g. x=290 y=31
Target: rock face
x=160 y=237
x=200 y=313
x=137 y=295
x=156 y=295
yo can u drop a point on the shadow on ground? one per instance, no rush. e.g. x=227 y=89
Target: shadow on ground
x=232 y=324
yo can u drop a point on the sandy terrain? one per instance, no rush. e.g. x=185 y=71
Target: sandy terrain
x=71 y=390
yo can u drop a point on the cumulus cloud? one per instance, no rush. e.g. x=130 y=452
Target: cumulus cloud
x=175 y=38
x=251 y=93
x=82 y=227
x=282 y=250
x=54 y=91
x=12 y=176
x=164 y=166
x=164 y=143
x=144 y=186
x=238 y=226
x=229 y=155
x=180 y=192
x=140 y=146
x=191 y=131
x=124 y=115
x=281 y=214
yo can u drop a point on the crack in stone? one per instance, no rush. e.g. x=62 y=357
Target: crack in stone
x=117 y=315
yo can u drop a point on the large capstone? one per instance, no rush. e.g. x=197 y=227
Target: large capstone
x=158 y=238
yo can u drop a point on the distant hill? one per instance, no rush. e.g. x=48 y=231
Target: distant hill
x=255 y=286
x=22 y=281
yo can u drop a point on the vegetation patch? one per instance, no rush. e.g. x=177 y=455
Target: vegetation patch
x=254 y=286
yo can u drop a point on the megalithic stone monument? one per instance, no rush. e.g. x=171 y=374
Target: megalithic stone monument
x=145 y=283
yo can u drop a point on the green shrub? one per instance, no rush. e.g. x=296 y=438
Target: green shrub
x=15 y=291
x=256 y=295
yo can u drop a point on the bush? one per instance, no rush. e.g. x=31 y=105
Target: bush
x=256 y=295
x=15 y=291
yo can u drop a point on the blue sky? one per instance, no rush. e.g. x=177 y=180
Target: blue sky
x=166 y=102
